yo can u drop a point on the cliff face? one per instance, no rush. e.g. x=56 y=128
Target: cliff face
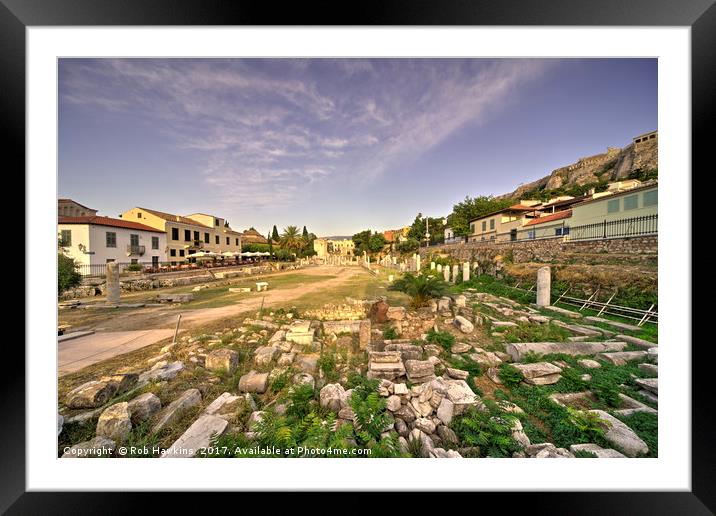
x=613 y=165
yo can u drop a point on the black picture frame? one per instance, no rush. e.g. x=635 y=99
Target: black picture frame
x=700 y=15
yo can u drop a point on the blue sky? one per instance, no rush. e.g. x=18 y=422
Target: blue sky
x=338 y=145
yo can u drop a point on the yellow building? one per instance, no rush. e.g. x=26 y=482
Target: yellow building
x=324 y=247
x=187 y=235
x=502 y=225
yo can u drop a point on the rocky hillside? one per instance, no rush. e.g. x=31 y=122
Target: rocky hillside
x=639 y=157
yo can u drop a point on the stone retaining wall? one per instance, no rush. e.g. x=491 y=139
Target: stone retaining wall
x=142 y=282
x=548 y=250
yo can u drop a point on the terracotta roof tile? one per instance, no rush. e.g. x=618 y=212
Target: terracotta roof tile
x=107 y=221
x=551 y=217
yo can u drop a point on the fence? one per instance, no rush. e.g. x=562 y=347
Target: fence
x=640 y=315
x=635 y=226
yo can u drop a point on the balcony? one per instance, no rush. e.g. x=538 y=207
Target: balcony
x=135 y=249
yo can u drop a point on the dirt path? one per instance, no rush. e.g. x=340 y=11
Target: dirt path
x=165 y=317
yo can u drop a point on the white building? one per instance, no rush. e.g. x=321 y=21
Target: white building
x=96 y=240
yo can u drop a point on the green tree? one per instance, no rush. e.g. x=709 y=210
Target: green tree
x=291 y=240
x=67 y=275
x=274 y=234
x=368 y=241
x=436 y=228
x=473 y=208
x=270 y=242
x=305 y=232
x=408 y=246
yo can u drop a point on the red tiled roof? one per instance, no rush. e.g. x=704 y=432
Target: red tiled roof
x=107 y=221
x=551 y=217
x=524 y=207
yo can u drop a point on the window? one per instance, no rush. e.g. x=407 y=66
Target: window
x=134 y=240
x=206 y=238
x=651 y=198
x=216 y=239
x=228 y=240
x=175 y=233
x=66 y=237
x=196 y=236
x=613 y=206
x=565 y=230
x=109 y=260
x=217 y=221
x=484 y=225
x=492 y=223
x=237 y=241
x=192 y=251
x=111 y=238
x=558 y=231
x=482 y=239
x=139 y=214
x=472 y=228
x=172 y=252
x=155 y=242
x=531 y=234
x=187 y=235
x=181 y=252
x=134 y=260
x=631 y=202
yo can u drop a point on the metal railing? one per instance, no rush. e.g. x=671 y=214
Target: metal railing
x=634 y=226
x=642 y=316
x=621 y=228
x=135 y=249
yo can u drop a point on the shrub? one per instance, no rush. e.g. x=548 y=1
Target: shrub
x=420 y=288
x=588 y=423
x=371 y=418
x=390 y=334
x=327 y=364
x=441 y=338
x=67 y=275
x=509 y=375
x=133 y=267
x=490 y=431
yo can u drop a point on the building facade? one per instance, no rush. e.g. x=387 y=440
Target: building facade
x=70 y=208
x=503 y=225
x=623 y=204
x=95 y=240
x=188 y=235
x=325 y=247
x=552 y=225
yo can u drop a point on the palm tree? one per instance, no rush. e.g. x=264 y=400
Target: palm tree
x=420 y=288
x=291 y=239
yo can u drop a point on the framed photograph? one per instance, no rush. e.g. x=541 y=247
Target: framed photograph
x=429 y=236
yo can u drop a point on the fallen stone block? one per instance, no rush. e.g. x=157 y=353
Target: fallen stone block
x=539 y=373
x=419 y=370
x=197 y=437
x=637 y=341
x=601 y=453
x=92 y=394
x=115 y=423
x=225 y=360
x=463 y=324
x=164 y=372
x=621 y=436
x=616 y=324
x=650 y=384
x=253 y=382
x=188 y=399
x=144 y=407
x=518 y=350
x=622 y=357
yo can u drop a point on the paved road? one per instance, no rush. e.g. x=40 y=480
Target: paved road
x=74 y=354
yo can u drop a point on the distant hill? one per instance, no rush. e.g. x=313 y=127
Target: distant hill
x=639 y=160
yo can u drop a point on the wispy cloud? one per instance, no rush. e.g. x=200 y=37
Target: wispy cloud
x=267 y=131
